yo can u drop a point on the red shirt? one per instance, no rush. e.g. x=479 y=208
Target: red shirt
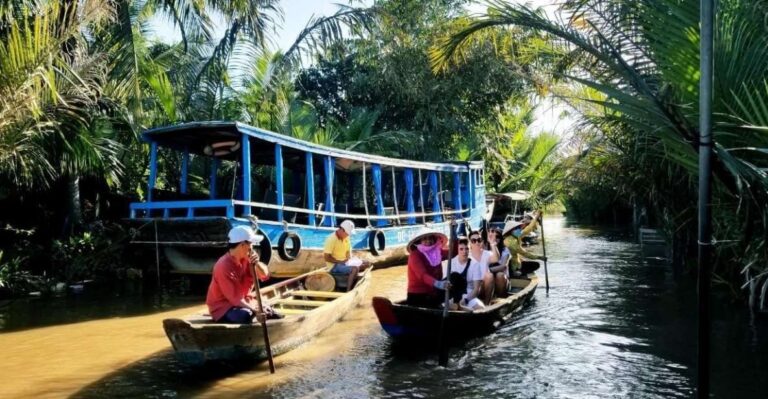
x=421 y=275
x=230 y=283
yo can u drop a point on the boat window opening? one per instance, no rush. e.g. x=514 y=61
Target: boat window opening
x=170 y=179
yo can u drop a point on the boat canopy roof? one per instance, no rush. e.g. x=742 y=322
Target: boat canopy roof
x=196 y=136
x=519 y=195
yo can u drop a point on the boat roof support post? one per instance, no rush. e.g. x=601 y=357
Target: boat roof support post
x=456 y=194
x=434 y=195
x=310 y=187
x=279 y=180
x=328 y=166
x=394 y=195
x=214 y=172
x=410 y=209
x=440 y=199
x=152 y=170
x=184 y=171
x=470 y=190
x=365 y=197
x=421 y=199
x=246 y=179
x=376 y=174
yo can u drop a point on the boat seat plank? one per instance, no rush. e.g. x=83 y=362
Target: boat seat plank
x=288 y=311
x=300 y=302
x=317 y=294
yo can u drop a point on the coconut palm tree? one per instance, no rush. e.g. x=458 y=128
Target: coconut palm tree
x=642 y=56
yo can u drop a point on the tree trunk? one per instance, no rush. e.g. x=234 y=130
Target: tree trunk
x=74 y=210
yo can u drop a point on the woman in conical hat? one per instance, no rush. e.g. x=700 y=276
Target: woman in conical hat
x=513 y=234
x=426 y=252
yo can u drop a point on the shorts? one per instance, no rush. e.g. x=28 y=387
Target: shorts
x=341 y=268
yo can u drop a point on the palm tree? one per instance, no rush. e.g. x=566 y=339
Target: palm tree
x=48 y=95
x=643 y=58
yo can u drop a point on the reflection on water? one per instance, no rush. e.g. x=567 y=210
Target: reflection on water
x=610 y=327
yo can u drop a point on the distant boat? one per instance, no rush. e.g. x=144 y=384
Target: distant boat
x=504 y=207
x=196 y=339
x=410 y=323
x=388 y=199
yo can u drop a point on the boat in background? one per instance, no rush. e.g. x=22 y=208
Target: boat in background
x=196 y=339
x=505 y=207
x=410 y=323
x=215 y=171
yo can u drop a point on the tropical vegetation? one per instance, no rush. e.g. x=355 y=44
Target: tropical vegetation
x=630 y=69
x=427 y=79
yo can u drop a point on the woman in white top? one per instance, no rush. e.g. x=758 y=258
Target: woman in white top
x=466 y=278
x=484 y=258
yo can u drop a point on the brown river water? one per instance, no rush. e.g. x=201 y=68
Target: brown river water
x=612 y=325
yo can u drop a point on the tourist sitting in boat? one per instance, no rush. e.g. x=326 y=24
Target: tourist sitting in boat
x=484 y=259
x=337 y=254
x=513 y=234
x=466 y=279
x=500 y=270
x=426 y=252
x=229 y=298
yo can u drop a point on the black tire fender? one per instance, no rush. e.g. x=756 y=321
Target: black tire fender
x=285 y=253
x=377 y=242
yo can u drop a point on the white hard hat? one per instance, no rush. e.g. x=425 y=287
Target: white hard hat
x=348 y=226
x=243 y=233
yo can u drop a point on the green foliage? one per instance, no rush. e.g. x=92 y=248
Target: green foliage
x=93 y=254
x=389 y=73
x=632 y=69
x=14 y=279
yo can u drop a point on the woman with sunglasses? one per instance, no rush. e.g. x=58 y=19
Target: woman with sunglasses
x=426 y=253
x=484 y=258
x=499 y=269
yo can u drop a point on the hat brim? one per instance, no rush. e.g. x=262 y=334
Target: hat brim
x=421 y=234
x=510 y=227
x=256 y=239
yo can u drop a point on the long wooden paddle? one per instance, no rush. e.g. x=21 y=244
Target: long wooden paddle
x=442 y=346
x=263 y=319
x=544 y=248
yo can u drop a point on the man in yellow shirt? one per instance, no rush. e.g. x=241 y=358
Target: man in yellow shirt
x=337 y=253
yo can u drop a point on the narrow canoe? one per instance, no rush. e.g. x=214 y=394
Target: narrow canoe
x=196 y=339
x=405 y=322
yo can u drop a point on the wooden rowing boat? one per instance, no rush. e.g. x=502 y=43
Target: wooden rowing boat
x=405 y=322
x=197 y=339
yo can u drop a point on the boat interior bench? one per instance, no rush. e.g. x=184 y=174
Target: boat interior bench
x=302 y=301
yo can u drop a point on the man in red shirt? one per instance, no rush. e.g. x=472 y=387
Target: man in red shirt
x=229 y=298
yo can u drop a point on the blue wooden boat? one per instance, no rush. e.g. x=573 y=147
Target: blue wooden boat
x=206 y=177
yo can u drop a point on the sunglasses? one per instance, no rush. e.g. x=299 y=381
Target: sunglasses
x=475 y=240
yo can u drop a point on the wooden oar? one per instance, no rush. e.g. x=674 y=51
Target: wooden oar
x=442 y=346
x=544 y=248
x=263 y=321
